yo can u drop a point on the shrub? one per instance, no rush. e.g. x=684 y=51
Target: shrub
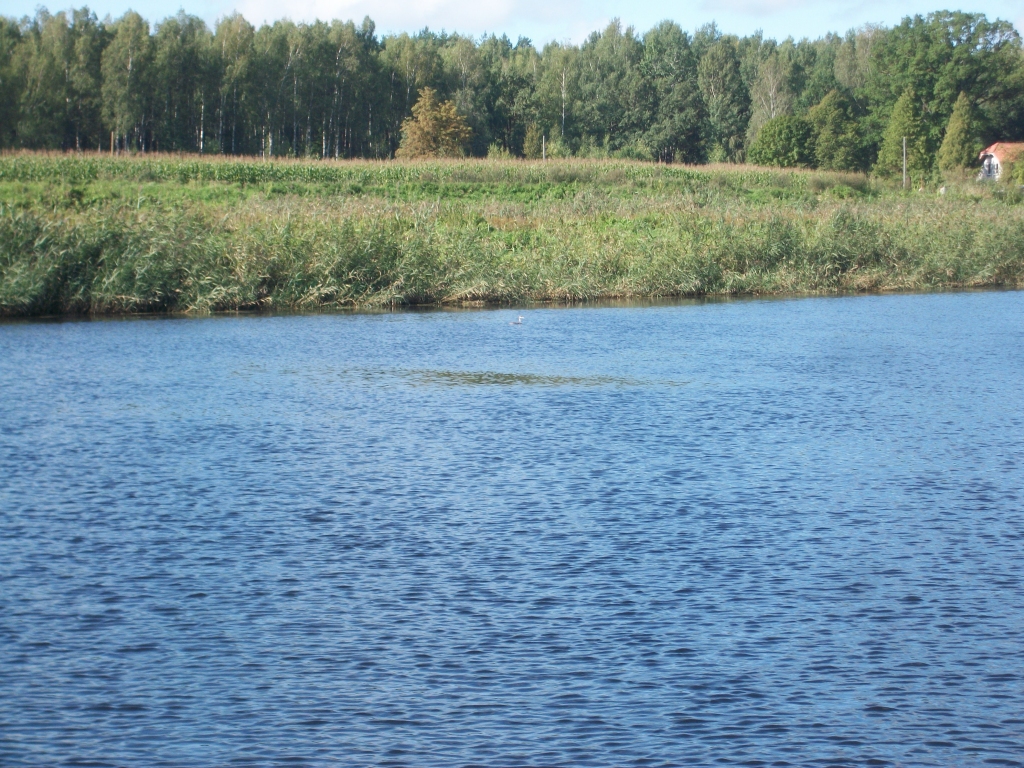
x=533 y=144
x=497 y=152
x=1017 y=173
x=783 y=141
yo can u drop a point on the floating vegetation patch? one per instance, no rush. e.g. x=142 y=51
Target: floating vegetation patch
x=443 y=378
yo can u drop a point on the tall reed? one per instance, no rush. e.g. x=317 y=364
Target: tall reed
x=168 y=234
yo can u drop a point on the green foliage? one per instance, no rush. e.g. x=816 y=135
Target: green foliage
x=186 y=81
x=534 y=145
x=783 y=141
x=905 y=122
x=637 y=150
x=836 y=140
x=339 y=90
x=128 y=80
x=677 y=111
x=11 y=84
x=58 y=76
x=771 y=94
x=614 y=102
x=940 y=55
x=508 y=70
x=557 y=148
x=727 y=101
x=89 y=234
x=814 y=65
x=239 y=60
x=495 y=152
x=959 y=146
x=1018 y=173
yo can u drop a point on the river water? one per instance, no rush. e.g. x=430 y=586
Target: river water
x=741 y=533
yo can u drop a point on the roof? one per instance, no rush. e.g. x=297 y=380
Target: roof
x=1004 y=151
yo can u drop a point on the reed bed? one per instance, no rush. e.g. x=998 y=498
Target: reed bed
x=100 y=235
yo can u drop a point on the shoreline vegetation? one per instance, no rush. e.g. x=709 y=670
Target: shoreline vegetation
x=88 y=234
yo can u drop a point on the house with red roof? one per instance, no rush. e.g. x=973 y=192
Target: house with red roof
x=999 y=155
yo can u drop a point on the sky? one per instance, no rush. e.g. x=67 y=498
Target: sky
x=546 y=20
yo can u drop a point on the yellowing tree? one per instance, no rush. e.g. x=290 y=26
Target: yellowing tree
x=434 y=130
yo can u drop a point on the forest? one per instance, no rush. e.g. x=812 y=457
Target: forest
x=70 y=81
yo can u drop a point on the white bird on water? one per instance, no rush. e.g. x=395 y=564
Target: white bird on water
x=517 y=322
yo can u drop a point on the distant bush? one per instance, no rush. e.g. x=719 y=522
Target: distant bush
x=783 y=141
x=497 y=152
x=636 y=150
x=533 y=143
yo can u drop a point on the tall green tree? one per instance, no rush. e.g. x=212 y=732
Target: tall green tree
x=771 y=95
x=465 y=77
x=411 y=62
x=726 y=100
x=507 y=101
x=852 y=65
x=317 y=86
x=904 y=123
x=355 y=90
x=233 y=41
x=59 y=60
x=186 y=82
x=676 y=125
x=614 y=100
x=10 y=82
x=127 y=81
x=814 y=65
x=44 y=59
x=837 y=142
x=557 y=89
x=263 y=72
x=85 y=79
x=959 y=146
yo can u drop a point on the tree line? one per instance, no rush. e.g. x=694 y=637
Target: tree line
x=338 y=90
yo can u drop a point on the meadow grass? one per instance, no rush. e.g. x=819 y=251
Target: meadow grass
x=95 y=234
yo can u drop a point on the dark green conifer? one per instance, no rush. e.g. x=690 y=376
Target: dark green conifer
x=837 y=144
x=905 y=122
x=959 y=147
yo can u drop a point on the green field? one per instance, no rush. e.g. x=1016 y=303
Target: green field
x=94 y=234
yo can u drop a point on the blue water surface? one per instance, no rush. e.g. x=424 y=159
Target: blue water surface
x=740 y=533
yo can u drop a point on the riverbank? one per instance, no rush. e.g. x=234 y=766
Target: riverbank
x=92 y=234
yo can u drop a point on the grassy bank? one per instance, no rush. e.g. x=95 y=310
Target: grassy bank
x=93 y=234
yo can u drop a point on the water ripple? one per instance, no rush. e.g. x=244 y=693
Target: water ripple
x=752 y=533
